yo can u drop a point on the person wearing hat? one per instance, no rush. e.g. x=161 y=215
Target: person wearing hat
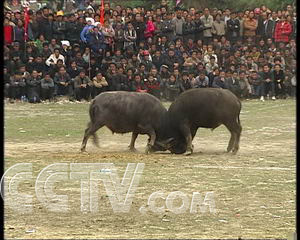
x=86 y=30
x=147 y=60
x=59 y=26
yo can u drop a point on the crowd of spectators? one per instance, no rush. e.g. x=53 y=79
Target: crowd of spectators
x=161 y=51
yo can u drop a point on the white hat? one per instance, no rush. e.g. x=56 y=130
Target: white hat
x=90 y=19
x=65 y=42
x=96 y=24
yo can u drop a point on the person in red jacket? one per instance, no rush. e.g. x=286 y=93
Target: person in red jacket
x=283 y=30
x=150 y=28
x=8 y=32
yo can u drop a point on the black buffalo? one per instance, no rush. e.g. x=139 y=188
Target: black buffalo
x=123 y=112
x=201 y=108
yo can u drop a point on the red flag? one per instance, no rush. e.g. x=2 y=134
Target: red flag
x=102 y=12
x=26 y=15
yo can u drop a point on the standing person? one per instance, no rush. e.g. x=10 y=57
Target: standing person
x=188 y=29
x=8 y=31
x=18 y=32
x=250 y=26
x=96 y=41
x=130 y=37
x=283 y=30
x=207 y=20
x=240 y=17
x=150 y=28
x=168 y=27
x=109 y=34
x=267 y=85
x=86 y=30
x=47 y=87
x=269 y=27
x=119 y=36
x=99 y=85
x=140 y=27
x=48 y=27
x=59 y=26
x=178 y=21
x=218 y=27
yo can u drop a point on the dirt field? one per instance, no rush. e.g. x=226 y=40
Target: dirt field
x=254 y=191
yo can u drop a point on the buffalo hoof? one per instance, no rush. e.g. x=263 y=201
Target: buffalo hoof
x=132 y=149
x=82 y=150
x=234 y=152
x=148 y=149
x=188 y=153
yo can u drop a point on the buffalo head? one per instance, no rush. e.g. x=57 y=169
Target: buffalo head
x=174 y=145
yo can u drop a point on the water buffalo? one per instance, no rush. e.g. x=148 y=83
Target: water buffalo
x=123 y=112
x=201 y=108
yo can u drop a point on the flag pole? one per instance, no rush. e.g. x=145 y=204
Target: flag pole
x=26 y=22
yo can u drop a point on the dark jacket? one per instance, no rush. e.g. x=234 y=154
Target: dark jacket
x=140 y=29
x=188 y=30
x=96 y=41
x=233 y=29
x=218 y=83
x=59 y=29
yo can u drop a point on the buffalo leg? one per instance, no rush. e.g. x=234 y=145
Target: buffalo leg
x=132 y=142
x=231 y=141
x=151 y=133
x=235 y=129
x=237 y=139
x=90 y=131
x=186 y=131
